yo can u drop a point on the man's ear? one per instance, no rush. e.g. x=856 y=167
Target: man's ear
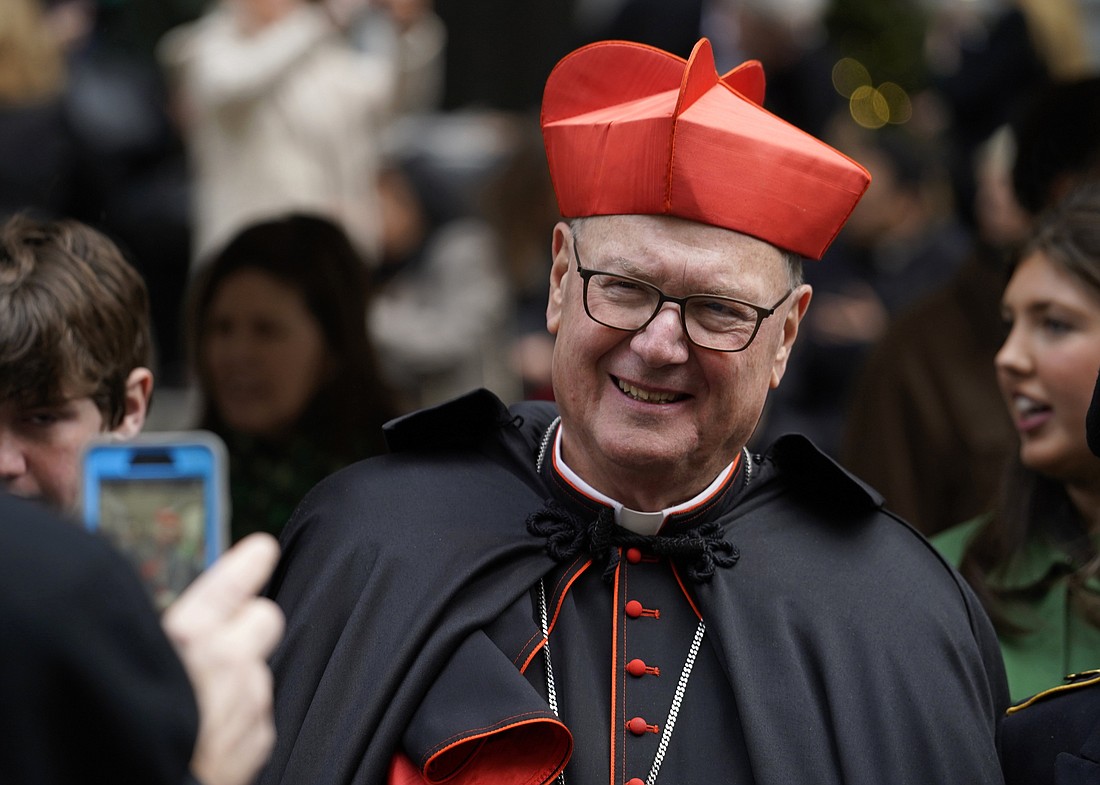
x=797 y=310
x=562 y=249
x=139 y=390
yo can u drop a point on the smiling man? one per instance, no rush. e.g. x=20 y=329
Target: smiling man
x=613 y=589
x=650 y=416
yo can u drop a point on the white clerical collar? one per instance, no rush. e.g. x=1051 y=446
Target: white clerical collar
x=645 y=523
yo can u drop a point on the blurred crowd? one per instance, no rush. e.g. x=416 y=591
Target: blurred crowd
x=208 y=138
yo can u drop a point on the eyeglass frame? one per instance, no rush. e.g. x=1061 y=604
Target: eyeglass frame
x=762 y=313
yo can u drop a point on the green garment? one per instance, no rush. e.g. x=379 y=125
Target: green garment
x=266 y=481
x=1058 y=639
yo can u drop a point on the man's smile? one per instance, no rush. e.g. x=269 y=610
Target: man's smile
x=647 y=396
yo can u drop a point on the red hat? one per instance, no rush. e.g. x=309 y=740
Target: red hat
x=630 y=129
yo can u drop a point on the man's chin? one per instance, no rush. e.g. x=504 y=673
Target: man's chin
x=650 y=457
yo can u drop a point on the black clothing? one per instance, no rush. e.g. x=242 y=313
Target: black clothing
x=527 y=38
x=41 y=170
x=1092 y=421
x=1055 y=736
x=91 y=691
x=839 y=646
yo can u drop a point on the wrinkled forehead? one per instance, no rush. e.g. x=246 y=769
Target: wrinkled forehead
x=699 y=252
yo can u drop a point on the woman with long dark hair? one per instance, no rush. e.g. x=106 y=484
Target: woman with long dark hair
x=286 y=370
x=1034 y=559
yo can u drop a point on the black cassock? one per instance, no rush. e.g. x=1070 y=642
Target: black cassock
x=838 y=647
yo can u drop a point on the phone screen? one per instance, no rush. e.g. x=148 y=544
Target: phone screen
x=161 y=504
x=160 y=525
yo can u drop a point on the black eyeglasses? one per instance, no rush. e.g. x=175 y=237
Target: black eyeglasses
x=709 y=321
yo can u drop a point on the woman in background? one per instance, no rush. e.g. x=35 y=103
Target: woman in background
x=285 y=368
x=1034 y=559
x=35 y=134
x=279 y=113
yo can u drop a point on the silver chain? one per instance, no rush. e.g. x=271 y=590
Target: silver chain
x=546 y=443
x=677 y=698
x=685 y=674
x=551 y=690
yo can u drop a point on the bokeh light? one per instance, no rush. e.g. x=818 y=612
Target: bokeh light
x=897 y=100
x=849 y=75
x=870 y=106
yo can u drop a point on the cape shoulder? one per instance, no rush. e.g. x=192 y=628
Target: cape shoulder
x=805 y=471
x=468 y=421
x=467 y=464
x=800 y=498
x=417 y=549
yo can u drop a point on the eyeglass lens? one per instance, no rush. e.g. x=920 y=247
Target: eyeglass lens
x=711 y=322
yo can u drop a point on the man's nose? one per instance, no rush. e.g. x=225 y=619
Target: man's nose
x=663 y=341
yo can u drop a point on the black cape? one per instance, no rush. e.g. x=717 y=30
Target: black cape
x=876 y=664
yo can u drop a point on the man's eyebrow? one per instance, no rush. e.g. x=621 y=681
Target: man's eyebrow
x=628 y=267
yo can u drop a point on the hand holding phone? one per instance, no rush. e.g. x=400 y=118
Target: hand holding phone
x=224 y=634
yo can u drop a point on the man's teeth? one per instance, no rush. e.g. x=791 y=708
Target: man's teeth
x=639 y=394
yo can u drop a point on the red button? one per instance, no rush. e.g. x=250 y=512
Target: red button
x=636 y=668
x=637 y=726
x=635 y=609
x=635 y=781
x=634 y=555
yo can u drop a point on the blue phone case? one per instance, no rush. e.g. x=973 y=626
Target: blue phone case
x=162 y=500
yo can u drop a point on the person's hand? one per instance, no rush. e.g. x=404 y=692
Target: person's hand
x=224 y=633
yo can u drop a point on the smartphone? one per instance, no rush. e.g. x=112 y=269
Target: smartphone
x=163 y=500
